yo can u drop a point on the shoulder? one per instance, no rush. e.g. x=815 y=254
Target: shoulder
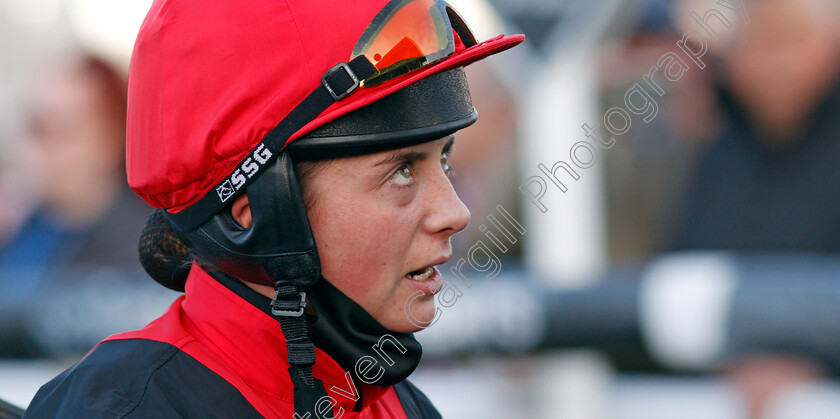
x=415 y=404
x=138 y=378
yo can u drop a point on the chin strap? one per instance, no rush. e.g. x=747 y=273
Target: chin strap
x=288 y=306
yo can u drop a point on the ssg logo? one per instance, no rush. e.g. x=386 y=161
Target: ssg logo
x=246 y=170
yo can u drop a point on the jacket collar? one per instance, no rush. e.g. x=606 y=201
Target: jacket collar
x=251 y=342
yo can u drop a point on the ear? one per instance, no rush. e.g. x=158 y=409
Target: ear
x=241 y=211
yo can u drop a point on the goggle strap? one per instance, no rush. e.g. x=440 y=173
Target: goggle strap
x=336 y=84
x=460 y=27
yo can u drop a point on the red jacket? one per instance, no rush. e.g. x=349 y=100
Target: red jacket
x=241 y=369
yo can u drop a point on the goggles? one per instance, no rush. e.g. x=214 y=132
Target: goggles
x=407 y=35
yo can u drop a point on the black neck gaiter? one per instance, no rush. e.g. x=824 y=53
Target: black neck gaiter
x=346 y=332
x=351 y=336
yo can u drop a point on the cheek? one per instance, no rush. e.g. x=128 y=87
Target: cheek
x=363 y=250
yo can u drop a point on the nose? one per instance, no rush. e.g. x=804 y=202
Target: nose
x=446 y=214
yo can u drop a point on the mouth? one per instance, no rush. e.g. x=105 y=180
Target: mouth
x=427 y=279
x=428 y=272
x=421 y=274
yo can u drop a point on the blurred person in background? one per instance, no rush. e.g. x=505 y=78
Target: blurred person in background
x=768 y=181
x=745 y=150
x=72 y=162
x=651 y=161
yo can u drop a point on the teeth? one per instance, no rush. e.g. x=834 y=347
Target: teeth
x=423 y=276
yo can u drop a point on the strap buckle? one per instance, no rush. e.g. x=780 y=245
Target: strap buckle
x=332 y=72
x=282 y=307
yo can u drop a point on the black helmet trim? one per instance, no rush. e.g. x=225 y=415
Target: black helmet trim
x=354 y=145
x=432 y=108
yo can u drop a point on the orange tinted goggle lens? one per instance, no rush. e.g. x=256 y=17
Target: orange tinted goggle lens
x=407 y=35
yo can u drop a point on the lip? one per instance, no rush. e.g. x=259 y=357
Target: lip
x=430 y=286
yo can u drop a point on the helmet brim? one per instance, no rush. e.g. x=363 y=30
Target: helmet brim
x=431 y=108
x=366 y=96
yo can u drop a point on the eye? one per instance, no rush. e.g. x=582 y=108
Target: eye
x=403 y=176
x=445 y=164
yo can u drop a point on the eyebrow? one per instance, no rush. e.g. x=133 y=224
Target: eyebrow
x=409 y=155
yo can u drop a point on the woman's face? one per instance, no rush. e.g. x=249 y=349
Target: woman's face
x=380 y=221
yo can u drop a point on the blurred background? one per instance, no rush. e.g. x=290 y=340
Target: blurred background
x=654 y=191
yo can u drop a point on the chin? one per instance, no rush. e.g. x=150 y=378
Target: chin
x=405 y=327
x=423 y=311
